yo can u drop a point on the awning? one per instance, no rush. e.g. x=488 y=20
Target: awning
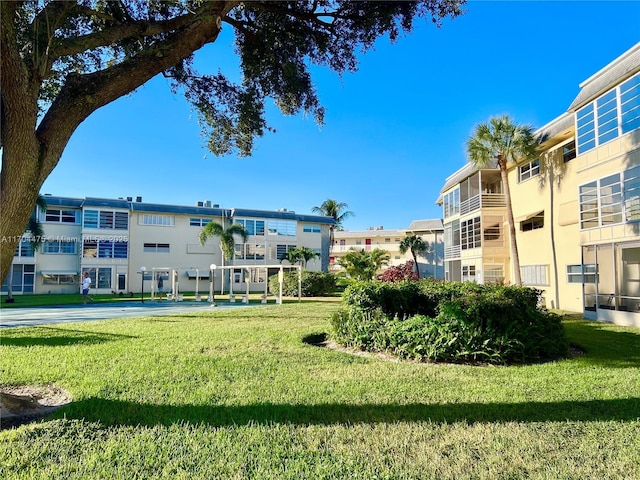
x=529 y=216
x=201 y=273
x=58 y=272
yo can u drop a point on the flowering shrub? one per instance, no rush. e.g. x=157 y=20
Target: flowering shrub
x=399 y=273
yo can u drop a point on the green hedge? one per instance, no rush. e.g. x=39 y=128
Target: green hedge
x=314 y=284
x=454 y=322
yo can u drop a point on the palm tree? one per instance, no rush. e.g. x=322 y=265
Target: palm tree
x=362 y=265
x=336 y=210
x=503 y=141
x=379 y=258
x=36 y=238
x=301 y=255
x=416 y=245
x=227 y=240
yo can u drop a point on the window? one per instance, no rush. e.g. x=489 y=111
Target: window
x=100 y=277
x=492 y=230
x=630 y=104
x=451 y=203
x=614 y=113
x=493 y=273
x=91 y=219
x=581 y=274
x=90 y=249
x=387 y=240
x=569 y=152
x=24 y=248
x=55 y=246
x=253 y=227
x=106 y=219
x=470 y=233
x=534 y=274
x=607 y=117
x=311 y=228
x=110 y=249
x=59 y=279
x=160 y=220
x=533 y=223
x=62 y=216
x=156 y=248
x=22 y=279
x=249 y=251
x=601 y=202
x=468 y=273
x=280 y=251
x=632 y=194
x=282 y=227
x=529 y=170
x=199 y=222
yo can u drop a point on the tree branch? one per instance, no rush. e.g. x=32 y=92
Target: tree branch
x=83 y=94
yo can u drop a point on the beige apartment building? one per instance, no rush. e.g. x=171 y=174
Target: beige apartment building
x=431 y=231
x=112 y=239
x=576 y=208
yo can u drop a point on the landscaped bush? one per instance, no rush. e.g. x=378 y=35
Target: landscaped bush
x=399 y=273
x=314 y=284
x=454 y=322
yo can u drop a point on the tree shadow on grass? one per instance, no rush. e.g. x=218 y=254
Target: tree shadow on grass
x=605 y=344
x=55 y=337
x=117 y=412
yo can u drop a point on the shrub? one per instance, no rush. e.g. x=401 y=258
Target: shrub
x=401 y=299
x=456 y=322
x=362 y=329
x=399 y=273
x=314 y=284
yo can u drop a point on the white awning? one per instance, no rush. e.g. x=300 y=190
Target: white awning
x=201 y=273
x=58 y=272
x=529 y=216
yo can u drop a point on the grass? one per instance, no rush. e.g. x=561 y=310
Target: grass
x=238 y=394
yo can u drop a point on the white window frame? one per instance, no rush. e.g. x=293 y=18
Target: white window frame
x=528 y=170
x=534 y=275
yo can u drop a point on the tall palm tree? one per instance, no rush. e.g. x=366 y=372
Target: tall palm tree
x=36 y=238
x=416 y=245
x=336 y=210
x=227 y=240
x=503 y=141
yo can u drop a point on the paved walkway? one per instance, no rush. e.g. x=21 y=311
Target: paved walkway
x=30 y=316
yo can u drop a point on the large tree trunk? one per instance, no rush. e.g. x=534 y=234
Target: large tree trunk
x=31 y=150
x=502 y=163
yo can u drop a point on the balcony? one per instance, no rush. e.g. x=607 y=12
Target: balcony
x=484 y=200
x=451 y=251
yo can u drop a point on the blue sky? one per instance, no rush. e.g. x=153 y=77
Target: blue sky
x=393 y=131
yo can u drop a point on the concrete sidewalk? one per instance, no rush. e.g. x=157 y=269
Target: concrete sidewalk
x=30 y=316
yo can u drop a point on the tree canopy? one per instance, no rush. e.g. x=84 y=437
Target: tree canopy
x=416 y=245
x=63 y=60
x=227 y=240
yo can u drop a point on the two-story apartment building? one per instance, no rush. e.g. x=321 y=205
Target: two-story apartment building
x=576 y=207
x=431 y=231
x=111 y=239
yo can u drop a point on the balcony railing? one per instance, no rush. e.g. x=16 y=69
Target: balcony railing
x=484 y=200
x=451 y=251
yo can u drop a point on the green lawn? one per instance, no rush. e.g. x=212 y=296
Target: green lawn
x=238 y=394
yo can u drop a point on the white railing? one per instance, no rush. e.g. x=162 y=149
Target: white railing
x=485 y=200
x=451 y=251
